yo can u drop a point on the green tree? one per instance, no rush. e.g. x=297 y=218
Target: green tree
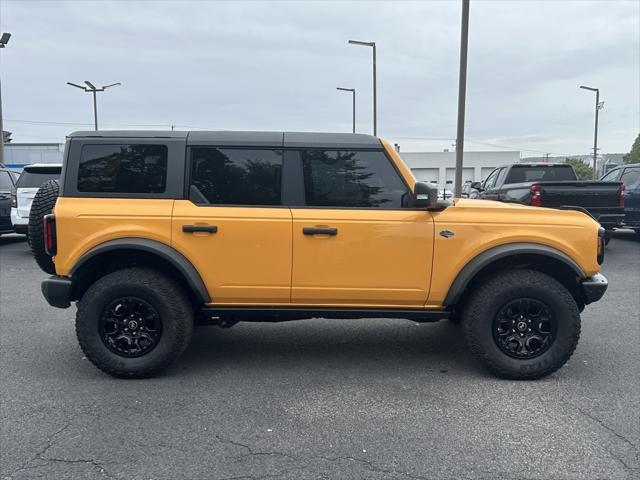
x=583 y=171
x=634 y=155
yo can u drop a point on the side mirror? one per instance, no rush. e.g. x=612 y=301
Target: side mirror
x=425 y=195
x=477 y=186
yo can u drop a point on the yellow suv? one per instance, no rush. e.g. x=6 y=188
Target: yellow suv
x=153 y=232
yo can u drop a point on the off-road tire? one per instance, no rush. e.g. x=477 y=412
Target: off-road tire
x=495 y=292
x=165 y=295
x=42 y=205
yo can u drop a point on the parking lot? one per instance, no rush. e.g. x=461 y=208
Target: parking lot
x=352 y=399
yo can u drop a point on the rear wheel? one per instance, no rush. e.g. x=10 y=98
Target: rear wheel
x=42 y=205
x=608 y=235
x=522 y=324
x=133 y=323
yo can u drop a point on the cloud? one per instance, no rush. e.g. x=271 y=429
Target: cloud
x=275 y=65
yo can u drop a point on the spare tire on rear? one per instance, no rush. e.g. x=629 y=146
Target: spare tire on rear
x=42 y=205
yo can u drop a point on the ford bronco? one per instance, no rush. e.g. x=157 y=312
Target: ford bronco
x=153 y=232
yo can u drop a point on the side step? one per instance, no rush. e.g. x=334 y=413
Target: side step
x=228 y=316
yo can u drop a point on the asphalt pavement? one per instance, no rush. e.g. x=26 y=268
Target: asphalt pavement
x=317 y=399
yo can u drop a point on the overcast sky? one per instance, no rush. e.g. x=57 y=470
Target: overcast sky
x=276 y=66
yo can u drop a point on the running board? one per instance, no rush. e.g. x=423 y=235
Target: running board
x=230 y=315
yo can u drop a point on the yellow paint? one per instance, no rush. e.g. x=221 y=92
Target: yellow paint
x=379 y=258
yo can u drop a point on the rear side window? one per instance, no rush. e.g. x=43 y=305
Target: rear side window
x=236 y=176
x=35 y=178
x=342 y=178
x=123 y=169
x=540 y=174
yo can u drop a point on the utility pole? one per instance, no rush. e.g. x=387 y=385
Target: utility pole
x=375 y=101
x=353 y=95
x=462 y=94
x=599 y=105
x=4 y=39
x=93 y=89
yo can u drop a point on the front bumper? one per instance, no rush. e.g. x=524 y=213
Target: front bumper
x=594 y=287
x=57 y=291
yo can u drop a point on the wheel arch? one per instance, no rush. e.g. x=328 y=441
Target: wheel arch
x=517 y=255
x=123 y=252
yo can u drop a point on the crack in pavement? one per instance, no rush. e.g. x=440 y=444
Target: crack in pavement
x=51 y=441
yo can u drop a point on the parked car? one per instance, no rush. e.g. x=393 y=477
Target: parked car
x=629 y=175
x=30 y=179
x=7 y=184
x=554 y=185
x=152 y=232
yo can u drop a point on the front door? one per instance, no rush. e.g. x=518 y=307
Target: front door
x=234 y=228
x=355 y=241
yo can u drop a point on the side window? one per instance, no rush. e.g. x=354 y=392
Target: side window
x=611 y=176
x=235 y=176
x=630 y=177
x=345 y=178
x=490 y=181
x=5 y=182
x=123 y=169
x=500 y=178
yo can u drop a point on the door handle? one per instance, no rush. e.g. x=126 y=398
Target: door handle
x=319 y=231
x=199 y=228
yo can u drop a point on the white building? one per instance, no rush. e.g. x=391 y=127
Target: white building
x=17 y=155
x=440 y=167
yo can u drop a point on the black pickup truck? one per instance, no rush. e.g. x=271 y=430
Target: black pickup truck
x=554 y=185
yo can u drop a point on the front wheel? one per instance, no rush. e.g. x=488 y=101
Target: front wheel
x=133 y=323
x=521 y=324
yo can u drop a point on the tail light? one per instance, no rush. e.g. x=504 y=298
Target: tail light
x=601 y=241
x=14 y=199
x=622 y=195
x=50 y=242
x=536 y=195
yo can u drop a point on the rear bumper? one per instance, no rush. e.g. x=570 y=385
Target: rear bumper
x=57 y=291
x=594 y=287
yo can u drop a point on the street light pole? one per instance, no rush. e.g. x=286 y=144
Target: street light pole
x=595 y=132
x=93 y=89
x=353 y=92
x=375 y=95
x=4 y=39
x=462 y=94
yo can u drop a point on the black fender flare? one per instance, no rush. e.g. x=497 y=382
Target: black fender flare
x=501 y=251
x=171 y=255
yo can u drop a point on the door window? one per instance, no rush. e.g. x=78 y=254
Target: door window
x=630 y=177
x=357 y=179
x=500 y=177
x=235 y=176
x=490 y=181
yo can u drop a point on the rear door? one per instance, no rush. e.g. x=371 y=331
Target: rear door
x=234 y=228
x=631 y=180
x=6 y=185
x=355 y=241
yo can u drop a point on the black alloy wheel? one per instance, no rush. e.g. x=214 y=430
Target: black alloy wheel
x=524 y=328
x=130 y=327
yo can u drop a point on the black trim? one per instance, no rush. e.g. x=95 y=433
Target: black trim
x=57 y=291
x=594 y=287
x=221 y=315
x=485 y=258
x=200 y=228
x=179 y=261
x=319 y=231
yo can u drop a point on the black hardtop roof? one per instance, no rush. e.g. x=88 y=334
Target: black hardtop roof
x=242 y=138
